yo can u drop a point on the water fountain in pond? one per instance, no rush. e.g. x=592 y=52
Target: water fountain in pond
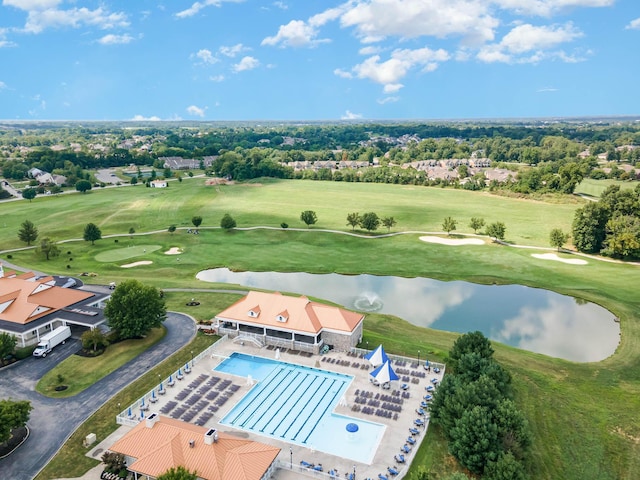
x=368 y=302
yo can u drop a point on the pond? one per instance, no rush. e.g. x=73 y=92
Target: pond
x=529 y=318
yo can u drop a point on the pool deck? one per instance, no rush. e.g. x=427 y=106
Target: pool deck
x=394 y=437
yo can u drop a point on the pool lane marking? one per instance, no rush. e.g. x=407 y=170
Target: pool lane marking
x=314 y=408
x=278 y=398
x=272 y=386
x=278 y=371
x=307 y=400
x=324 y=412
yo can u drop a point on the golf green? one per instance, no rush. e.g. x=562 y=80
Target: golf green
x=124 y=253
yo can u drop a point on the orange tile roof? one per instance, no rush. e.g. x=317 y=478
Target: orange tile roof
x=166 y=444
x=24 y=299
x=301 y=314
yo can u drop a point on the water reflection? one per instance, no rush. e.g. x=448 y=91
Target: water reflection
x=533 y=319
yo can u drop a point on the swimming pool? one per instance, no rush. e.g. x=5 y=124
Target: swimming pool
x=295 y=404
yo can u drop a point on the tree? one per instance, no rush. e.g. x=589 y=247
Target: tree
x=92 y=233
x=134 y=309
x=476 y=223
x=623 y=237
x=13 y=414
x=472 y=342
x=29 y=193
x=353 y=219
x=475 y=440
x=506 y=467
x=178 y=473
x=227 y=222
x=388 y=222
x=496 y=230
x=196 y=220
x=449 y=224
x=172 y=228
x=370 y=221
x=309 y=217
x=132 y=231
x=48 y=248
x=94 y=339
x=28 y=232
x=7 y=344
x=83 y=186
x=557 y=238
x=133 y=181
x=589 y=227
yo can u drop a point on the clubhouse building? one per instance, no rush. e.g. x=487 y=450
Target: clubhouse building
x=160 y=443
x=294 y=323
x=31 y=305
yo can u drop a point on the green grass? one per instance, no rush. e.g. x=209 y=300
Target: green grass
x=82 y=372
x=119 y=254
x=594 y=188
x=583 y=416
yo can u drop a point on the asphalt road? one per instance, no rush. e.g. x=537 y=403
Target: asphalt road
x=52 y=421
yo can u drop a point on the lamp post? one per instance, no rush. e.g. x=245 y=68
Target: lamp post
x=291 y=456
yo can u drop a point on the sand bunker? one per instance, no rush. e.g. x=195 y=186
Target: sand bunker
x=137 y=264
x=173 y=251
x=553 y=256
x=453 y=241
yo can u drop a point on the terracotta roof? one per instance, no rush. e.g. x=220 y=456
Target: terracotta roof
x=301 y=314
x=23 y=298
x=166 y=444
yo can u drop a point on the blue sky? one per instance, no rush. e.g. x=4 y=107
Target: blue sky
x=317 y=59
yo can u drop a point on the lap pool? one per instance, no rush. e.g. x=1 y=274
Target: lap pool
x=295 y=404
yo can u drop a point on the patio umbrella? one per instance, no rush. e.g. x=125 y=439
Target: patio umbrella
x=141 y=414
x=161 y=389
x=171 y=379
x=153 y=394
x=384 y=373
x=377 y=357
x=129 y=413
x=179 y=372
x=142 y=403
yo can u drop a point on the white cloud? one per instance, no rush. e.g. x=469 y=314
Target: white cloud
x=377 y=19
x=392 y=87
x=233 y=51
x=370 y=50
x=342 y=73
x=385 y=100
x=40 y=20
x=31 y=4
x=391 y=71
x=296 y=33
x=535 y=41
x=546 y=89
x=197 y=6
x=205 y=56
x=348 y=115
x=112 y=39
x=142 y=118
x=3 y=85
x=547 y=8
x=217 y=78
x=195 y=111
x=634 y=24
x=281 y=5
x=247 y=63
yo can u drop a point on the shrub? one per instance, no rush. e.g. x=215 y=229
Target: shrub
x=68 y=266
x=9 y=256
x=68 y=252
x=115 y=241
x=284 y=225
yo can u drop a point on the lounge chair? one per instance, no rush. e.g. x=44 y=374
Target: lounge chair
x=411 y=440
x=382 y=477
x=304 y=464
x=414 y=431
x=405 y=448
x=399 y=458
x=318 y=467
x=392 y=471
x=419 y=411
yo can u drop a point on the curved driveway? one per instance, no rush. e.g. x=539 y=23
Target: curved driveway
x=52 y=421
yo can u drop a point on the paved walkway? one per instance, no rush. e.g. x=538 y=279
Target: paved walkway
x=52 y=421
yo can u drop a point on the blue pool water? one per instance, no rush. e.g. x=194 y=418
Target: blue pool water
x=295 y=404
